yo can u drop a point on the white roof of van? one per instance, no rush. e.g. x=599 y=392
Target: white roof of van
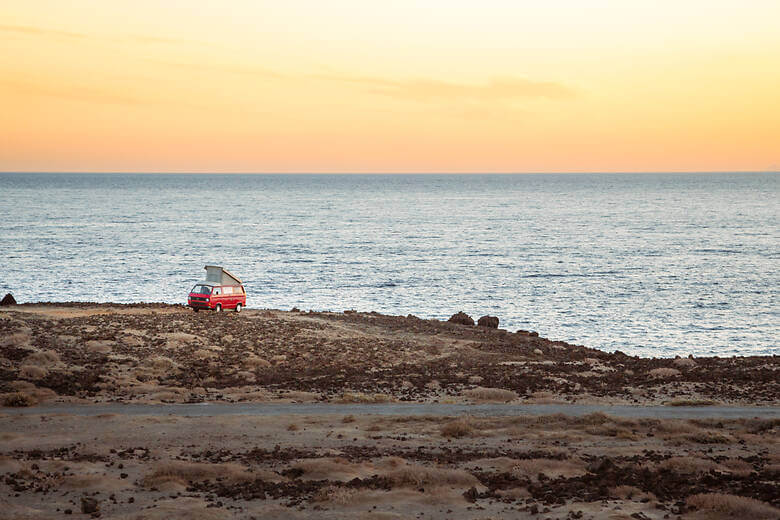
x=222 y=275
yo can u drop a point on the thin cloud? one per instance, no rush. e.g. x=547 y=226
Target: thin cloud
x=38 y=31
x=157 y=39
x=72 y=92
x=57 y=33
x=226 y=68
x=86 y=94
x=507 y=88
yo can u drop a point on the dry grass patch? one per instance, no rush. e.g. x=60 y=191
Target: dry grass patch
x=43 y=358
x=98 y=346
x=695 y=466
x=255 y=362
x=299 y=396
x=732 y=506
x=17 y=339
x=93 y=481
x=162 y=363
x=182 y=472
x=458 y=428
x=32 y=372
x=248 y=394
x=612 y=430
x=737 y=467
x=630 y=493
x=332 y=468
x=707 y=437
x=551 y=468
x=688 y=465
x=490 y=394
x=204 y=353
x=403 y=474
x=691 y=402
x=335 y=495
x=247 y=376
x=169 y=396
x=677 y=427
x=18 y=399
x=131 y=339
x=664 y=372
x=517 y=493
x=684 y=362
x=360 y=397
x=177 y=339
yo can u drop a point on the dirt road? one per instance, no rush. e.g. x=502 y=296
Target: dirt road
x=410 y=409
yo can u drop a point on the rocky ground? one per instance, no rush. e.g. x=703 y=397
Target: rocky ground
x=372 y=467
x=168 y=353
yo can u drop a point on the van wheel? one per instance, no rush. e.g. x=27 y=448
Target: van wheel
x=218 y=308
x=195 y=309
x=238 y=307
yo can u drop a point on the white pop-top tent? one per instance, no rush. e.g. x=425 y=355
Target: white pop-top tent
x=216 y=275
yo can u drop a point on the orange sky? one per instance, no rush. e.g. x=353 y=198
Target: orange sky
x=401 y=86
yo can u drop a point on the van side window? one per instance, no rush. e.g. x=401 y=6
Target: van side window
x=217 y=291
x=240 y=289
x=228 y=290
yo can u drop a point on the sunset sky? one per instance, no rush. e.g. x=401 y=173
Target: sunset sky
x=391 y=86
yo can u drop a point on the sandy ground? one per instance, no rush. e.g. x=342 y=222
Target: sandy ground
x=386 y=467
x=369 y=466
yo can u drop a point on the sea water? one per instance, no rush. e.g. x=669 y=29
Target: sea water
x=649 y=264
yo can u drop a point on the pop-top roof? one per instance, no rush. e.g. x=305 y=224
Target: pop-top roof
x=217 y=275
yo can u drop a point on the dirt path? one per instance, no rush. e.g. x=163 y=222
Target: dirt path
x=409 y=409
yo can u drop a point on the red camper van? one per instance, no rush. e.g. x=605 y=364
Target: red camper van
x=222 y=290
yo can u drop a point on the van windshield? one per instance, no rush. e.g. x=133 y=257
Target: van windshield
x=201 y=289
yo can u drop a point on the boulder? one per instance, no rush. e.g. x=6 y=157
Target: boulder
x=8 y=299
x=89 y=505
x=488 y=321
x=462 y=318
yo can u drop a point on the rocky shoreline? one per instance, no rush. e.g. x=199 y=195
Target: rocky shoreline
x=142 y=352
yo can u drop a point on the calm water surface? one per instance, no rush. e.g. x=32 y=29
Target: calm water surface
x=648 y=264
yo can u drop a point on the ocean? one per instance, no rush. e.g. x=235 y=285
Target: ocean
x=649 y=264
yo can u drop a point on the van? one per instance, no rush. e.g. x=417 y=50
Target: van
x=222 y=290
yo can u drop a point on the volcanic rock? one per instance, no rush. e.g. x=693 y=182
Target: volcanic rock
x=488 y=321
x=8 y=299
x=462 y=318
x=89 y=505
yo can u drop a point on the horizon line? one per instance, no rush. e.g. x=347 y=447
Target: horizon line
x=592 y=172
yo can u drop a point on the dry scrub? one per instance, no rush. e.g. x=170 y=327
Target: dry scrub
x=181 y=472
x=32 y=372
x=490 y=395
x=551 y=468
x=660 y=373
x=732 y=506
x=359 y=397
x=18 y=399
x=45 y=358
